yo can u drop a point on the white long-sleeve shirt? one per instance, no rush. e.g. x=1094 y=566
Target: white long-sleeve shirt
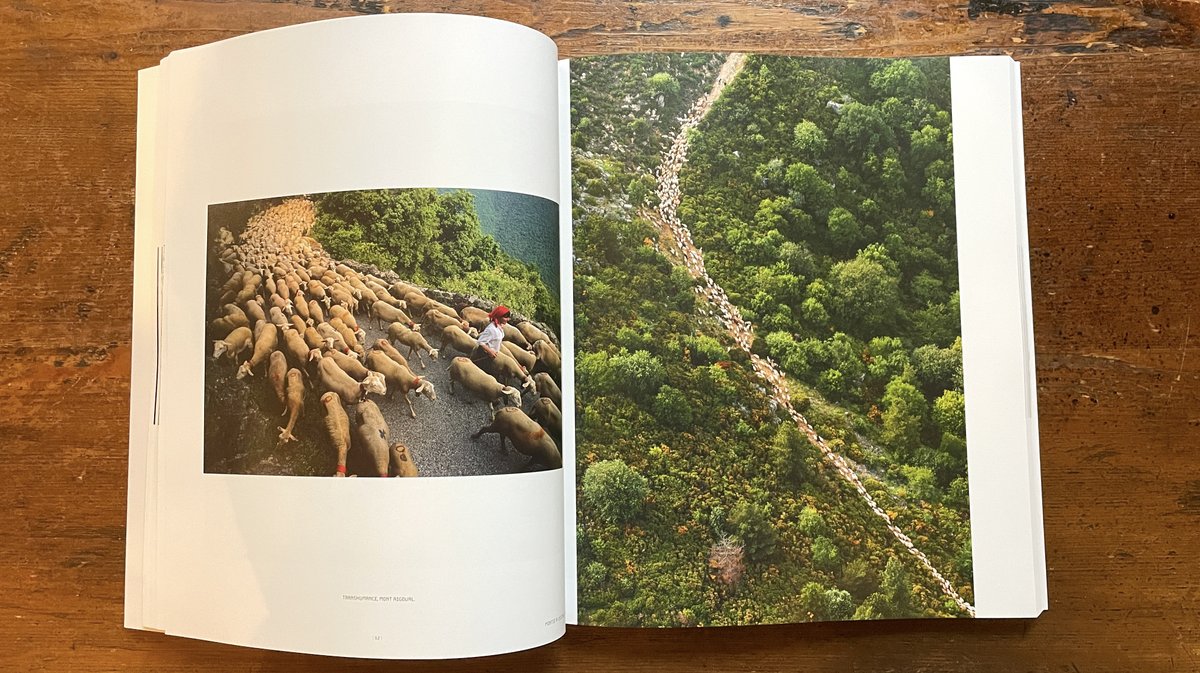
x=491 y=336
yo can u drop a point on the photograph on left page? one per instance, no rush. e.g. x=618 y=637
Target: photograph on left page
x=386 y=332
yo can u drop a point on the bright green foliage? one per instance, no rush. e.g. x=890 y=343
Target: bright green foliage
x=899 y=79
x=614 y=490
x=752 y=525
x=920 y=482
x=939 y=369
x=949 y=413
x=809 y=140
x=904 y=415
x=817 y=603
x=896 y=587
x=825 y=554
x=860 y=577
x=672 y=409
x=865 y=293
x=792 y=457
x=811 y=192
x=429 y=238
x=638 y=373
x=663 y=84
x=811 y=523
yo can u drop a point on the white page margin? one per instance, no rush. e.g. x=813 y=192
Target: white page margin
x=1009 y=572
x=265 y=561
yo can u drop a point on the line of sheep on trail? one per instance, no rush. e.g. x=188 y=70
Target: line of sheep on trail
x=289 y=309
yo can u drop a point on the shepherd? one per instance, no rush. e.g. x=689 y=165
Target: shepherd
x=488 y=343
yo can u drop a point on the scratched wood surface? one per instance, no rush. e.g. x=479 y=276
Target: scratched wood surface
x=1111 y=99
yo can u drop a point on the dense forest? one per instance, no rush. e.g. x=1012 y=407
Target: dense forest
x=821 y=192
x=431 y=239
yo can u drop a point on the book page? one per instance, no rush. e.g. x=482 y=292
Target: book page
x=142 y=514
x=802 y=372
x=413 y=151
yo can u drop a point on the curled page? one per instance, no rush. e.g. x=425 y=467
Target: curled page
x=412 y=159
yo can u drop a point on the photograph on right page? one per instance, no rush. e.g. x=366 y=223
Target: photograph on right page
x=770 y=417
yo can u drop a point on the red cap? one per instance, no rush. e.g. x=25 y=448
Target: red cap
x=499 y=312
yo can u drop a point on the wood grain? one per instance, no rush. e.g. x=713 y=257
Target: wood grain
x=1112 y=97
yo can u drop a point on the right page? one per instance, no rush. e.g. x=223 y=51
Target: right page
x=803 y=354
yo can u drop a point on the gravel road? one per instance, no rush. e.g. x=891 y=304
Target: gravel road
x=439 y=438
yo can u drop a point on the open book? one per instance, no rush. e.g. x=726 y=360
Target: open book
x=662 y=339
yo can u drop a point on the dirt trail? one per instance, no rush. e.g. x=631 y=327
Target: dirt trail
x=686 y=253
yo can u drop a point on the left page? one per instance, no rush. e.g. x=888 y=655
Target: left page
x=311 y=165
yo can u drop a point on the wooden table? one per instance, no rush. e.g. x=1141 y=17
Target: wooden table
x=1112 y=101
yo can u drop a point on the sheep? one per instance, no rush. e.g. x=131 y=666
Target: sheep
x=371 y=435
x=349 y=364
x=313 y=339
x=337 y=424
x=234 y=343
x=314 y=311
x=454 y=337
x=298 y=323
x=277 y=318
x=232 y=318
x=254 y=310
x=333 y=338
x=514 y=335
x=527 y=359
x=547 y=414
x=417 y=300
x=348 y=335
x=280 y=303
x=401 y=289
x=386 y=347
x=316 y=289
x=294 y=347
x=295 y=404
x=352 y=392
x=383 y=312
x=265 y=342
x=436 y=317
x=400 y=378
x=531 y=332
x=477 y=317
x=416 y=343
x=507 y=368
x=435 y=305
x=348 y=318
x=277 y=375
x=546 y=387
x=340 y=297
x=382 y=294
x=249 y=289
x=399 y=463
x=481 y=384
x=300 y=304
x=525 y=434
x=549 y=359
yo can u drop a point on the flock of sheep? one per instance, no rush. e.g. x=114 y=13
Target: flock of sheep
x=291 y=310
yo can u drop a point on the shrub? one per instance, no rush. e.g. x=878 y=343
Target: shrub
x=672 y=409
x=752 y=524
x=614 y=491
x=639 y=373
